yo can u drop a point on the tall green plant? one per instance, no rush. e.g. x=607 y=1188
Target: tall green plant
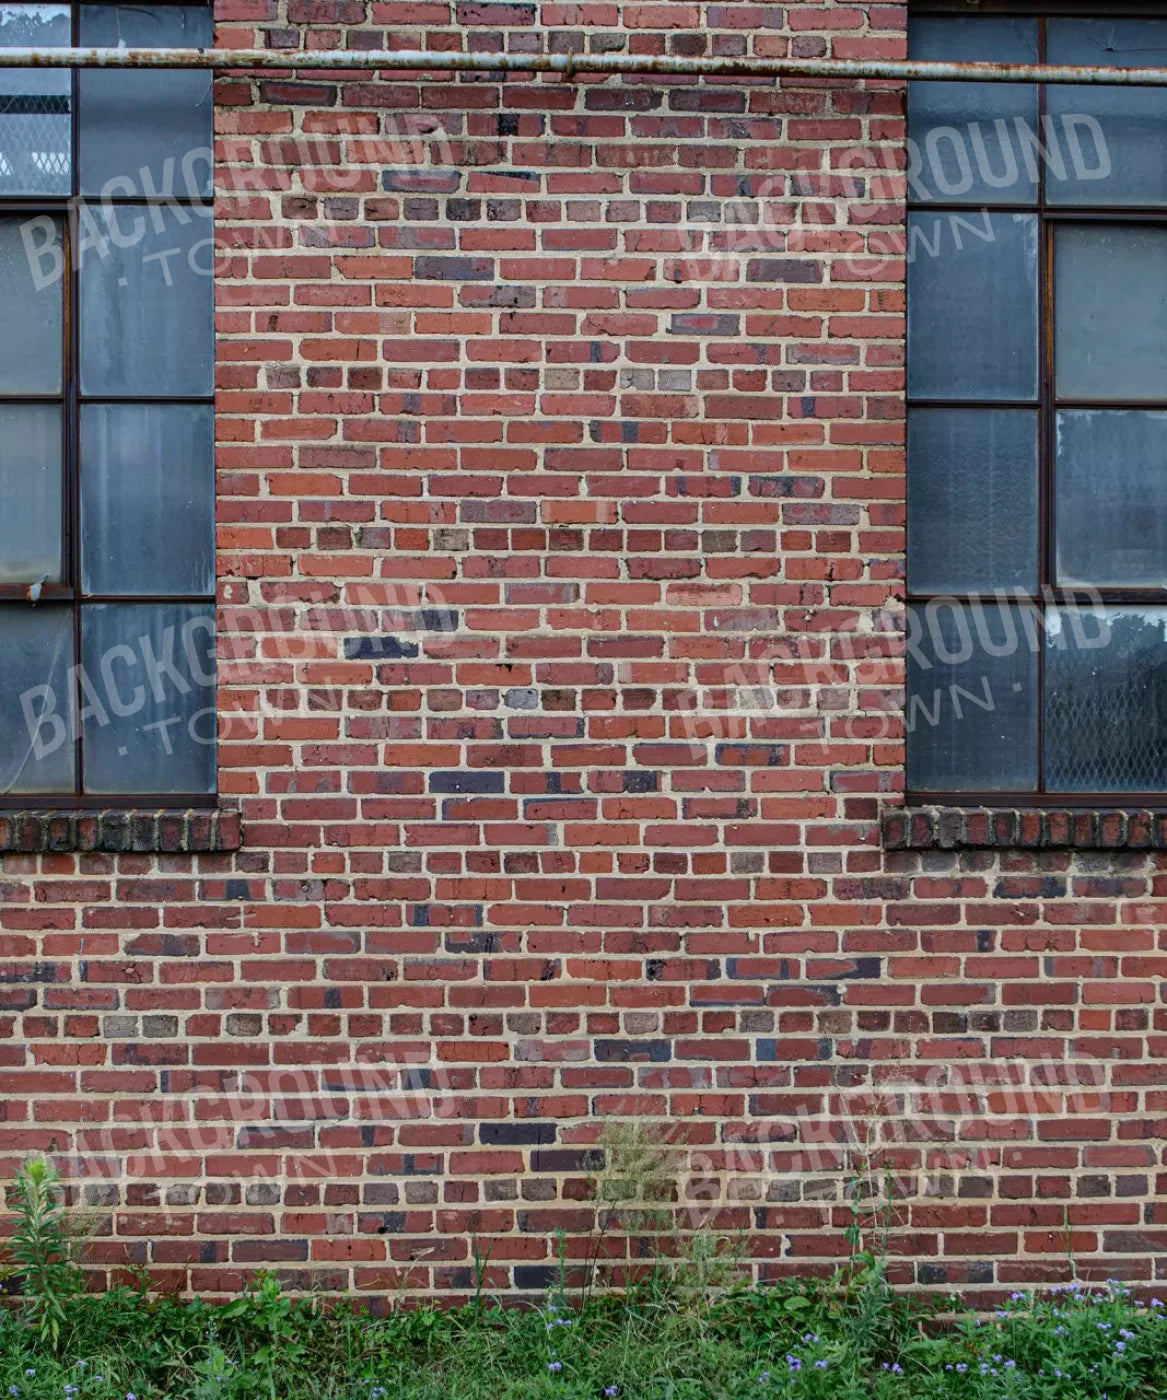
x=40 y=1247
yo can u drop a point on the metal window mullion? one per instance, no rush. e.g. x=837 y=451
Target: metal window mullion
x=1045 y=551
x=158 y=401
x=72 y=412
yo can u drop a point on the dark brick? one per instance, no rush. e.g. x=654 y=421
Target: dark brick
x=863 y=967
x=806 y=488
x=704 y=323
x=115 y=831
x=437 y=269
x=379 y=649
x=495 y=14
x=466 y=780
x=783 y=270
x=627 y=1051
x=298 y=94
x=143 y=831
x=564 y=1159
x=516 y=1134
x=950 y=830
x=436 y=620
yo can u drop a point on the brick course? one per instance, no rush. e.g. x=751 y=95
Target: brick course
x=560 y=555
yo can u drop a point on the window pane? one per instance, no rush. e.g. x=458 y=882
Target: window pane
x=146 y=304
x=31 y=334
x=973 y=141
x=133 y=123
x=1110 y=312
x=1110 y=498
x=1106 y=143
x=147 y=498
x=35 y=127
x=152 y=726
x=972 y=698
x=1106 y=700
x=36 y=704
x=972 y=306
x=30 y=487
x=972 y=499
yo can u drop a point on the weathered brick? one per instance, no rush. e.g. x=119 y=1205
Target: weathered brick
x=560 y=568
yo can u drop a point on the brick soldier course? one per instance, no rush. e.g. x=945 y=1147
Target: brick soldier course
x=560 y=520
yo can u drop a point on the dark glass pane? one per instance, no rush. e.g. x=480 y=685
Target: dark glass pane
x=30 y=488
x=972 y=499
x=972 y=142
x=146 y=304
x=31 y=324
x=1110 y=312
x=1106 y=700
x=1106 y=143
x=151 y=727
x=1110 y=498
x=147 y=498
x=36 y=130
x=972 y=306
x=36 y=700
x=972 y=698
x=147 y=131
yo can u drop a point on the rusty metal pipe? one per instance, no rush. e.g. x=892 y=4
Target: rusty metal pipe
x=665 y=65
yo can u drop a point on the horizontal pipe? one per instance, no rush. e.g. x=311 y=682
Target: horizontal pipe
x=369 y=60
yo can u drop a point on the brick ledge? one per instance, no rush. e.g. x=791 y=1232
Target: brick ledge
x=1014 y=828
x=203 y=829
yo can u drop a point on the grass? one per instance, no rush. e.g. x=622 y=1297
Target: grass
x=655 y=1342
x=687 y=1331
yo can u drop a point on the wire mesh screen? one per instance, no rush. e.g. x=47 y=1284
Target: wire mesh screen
x=1106 y=709
x=35 y=139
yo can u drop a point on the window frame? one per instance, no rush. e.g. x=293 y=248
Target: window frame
x=69 y=592
x=1067 y=9
x=1048 y=593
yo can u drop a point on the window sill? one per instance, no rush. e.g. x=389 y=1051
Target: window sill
x=1015 y=828
x=154 y=830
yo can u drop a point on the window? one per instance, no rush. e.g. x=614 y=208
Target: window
x=1037 y=418
x=107 y=578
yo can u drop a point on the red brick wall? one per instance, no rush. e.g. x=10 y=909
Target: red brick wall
x=561 y=531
